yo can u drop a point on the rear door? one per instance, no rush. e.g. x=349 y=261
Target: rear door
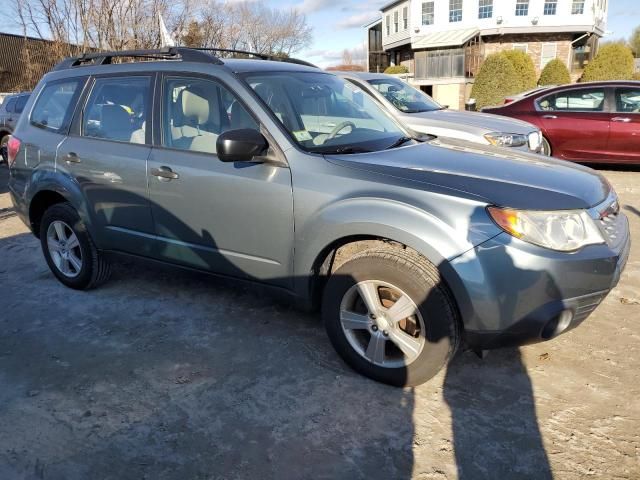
x=624 y=136
x=106 y=152
x=576 y=122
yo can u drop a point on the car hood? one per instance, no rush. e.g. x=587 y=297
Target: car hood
x=489 y=174
x=469 y=121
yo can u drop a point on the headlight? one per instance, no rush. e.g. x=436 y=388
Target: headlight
x=507 y=139
x=562 y=230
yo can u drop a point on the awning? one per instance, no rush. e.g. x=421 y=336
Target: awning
x=450 y=38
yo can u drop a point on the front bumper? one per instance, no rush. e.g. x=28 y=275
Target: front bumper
x=515 y=293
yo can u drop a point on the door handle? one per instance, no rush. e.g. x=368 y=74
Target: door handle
x=72 y=157
x=621 y=119
x=164 y=173
x=550 y=117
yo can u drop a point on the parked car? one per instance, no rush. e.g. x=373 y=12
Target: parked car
x=423 y=114
x=281 y=174
x=586 y=122
x=10 y=111
x=528 y=93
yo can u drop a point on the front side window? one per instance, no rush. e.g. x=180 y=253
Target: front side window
x=485 y=9
x=427 y=13
x=54 y=106
x=522 y=8
x=455 y=11
x=579 y=100
x=324 y=113
x=577 y=7
x=196 y=111
x=118 y=109
x=403 y=96
x=628 y=100
x=550 y=7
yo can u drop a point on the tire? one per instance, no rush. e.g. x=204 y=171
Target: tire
x=3 y=148
x=546 y=148
x=93 y=268
x=430 y=335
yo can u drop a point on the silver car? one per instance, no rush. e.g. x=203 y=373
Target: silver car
x=418 y=111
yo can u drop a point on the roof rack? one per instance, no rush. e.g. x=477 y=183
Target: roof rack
x=261 y=56
x=186 y=54
x=167 y=53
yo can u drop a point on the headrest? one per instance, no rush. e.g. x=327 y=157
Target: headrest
x=194 y=106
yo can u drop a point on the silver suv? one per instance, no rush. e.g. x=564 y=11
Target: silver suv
x=281 y=174
x=10 y=111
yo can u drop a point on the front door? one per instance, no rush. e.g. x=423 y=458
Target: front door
x=576 y=122
x=107 y=155
x=229 y=218
x=624 y=135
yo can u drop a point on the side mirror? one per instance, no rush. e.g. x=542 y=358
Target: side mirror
x=241 y=145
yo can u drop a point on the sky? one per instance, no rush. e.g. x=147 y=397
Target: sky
x=337 y=25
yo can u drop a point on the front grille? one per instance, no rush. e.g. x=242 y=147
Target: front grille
x=611 y=221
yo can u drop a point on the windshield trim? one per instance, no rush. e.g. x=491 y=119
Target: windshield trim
x=244 y=77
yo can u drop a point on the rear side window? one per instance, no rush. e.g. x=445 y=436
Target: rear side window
x=580 y=100
x=10 y=104
x=117 y=109
x=21 y=102
x=55 y=104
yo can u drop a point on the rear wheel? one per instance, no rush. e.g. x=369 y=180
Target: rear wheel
x=69 y=250
x=546 y=147
x=390 y=317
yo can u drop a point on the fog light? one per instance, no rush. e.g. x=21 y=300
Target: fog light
x=557 y=325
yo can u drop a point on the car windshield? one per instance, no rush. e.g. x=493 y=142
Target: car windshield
x=326 y=114
x=403 y=96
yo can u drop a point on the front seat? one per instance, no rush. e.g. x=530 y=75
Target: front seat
x=199 y=115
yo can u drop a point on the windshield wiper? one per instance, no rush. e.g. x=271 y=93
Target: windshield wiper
x=347 y=150
x=399 y=142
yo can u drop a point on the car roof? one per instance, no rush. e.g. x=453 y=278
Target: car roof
x=364 y=75
x=244 y=65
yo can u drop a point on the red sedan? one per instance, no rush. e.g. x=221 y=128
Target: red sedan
x=584 y=122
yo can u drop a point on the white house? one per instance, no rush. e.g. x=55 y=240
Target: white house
x=443 y=42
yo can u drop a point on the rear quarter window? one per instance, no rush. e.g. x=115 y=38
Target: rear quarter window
x=55 y=104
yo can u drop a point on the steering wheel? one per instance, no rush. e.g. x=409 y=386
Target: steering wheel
x=339 y=127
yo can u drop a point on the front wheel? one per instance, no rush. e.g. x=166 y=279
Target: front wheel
x=546 y=147
x=69 y=250
x=390 y=317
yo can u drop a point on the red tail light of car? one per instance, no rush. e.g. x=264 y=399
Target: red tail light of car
x=12 y=150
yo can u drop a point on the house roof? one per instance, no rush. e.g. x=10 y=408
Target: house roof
x=450 y=38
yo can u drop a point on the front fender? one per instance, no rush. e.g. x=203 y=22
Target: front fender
x=434 y=238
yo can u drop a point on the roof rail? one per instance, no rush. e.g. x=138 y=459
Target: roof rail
x=261 y=56
x=167 y=53
x=186 y=54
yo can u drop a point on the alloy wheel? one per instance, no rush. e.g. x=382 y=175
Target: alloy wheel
x=64 y=249
x=382 y=324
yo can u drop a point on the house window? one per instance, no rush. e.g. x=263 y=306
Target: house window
x=395 y=21
x=440 y=63
x=485 y=9
x=427 y=13
x=550 y=7
x=405 y=18
x=523 y=47
x=455 y=10
x=577 y=7
x=549 y=51
x=388 y=25
x=522 y=8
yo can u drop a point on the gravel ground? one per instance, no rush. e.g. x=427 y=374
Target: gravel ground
x=165 y=374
